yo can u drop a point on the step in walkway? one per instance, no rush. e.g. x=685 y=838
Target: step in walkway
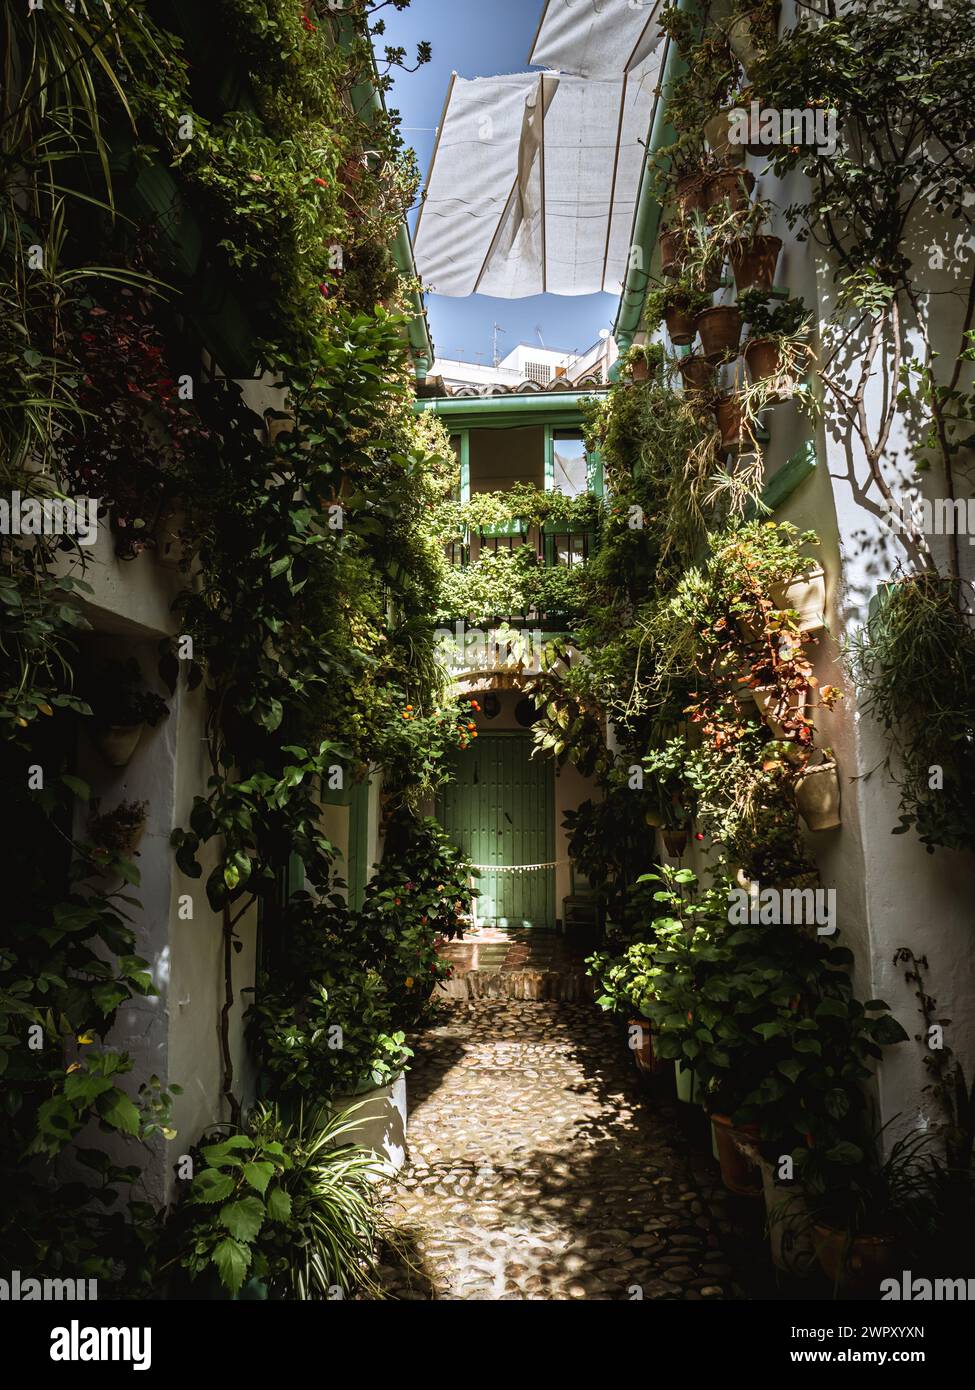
x=538 y=1170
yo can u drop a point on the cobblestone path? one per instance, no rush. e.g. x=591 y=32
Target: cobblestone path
x=537 y=1170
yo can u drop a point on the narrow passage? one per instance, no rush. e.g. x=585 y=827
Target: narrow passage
x=537 y=1170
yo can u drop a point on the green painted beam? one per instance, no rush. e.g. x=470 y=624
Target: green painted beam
x=561 y=410
x=793 y=473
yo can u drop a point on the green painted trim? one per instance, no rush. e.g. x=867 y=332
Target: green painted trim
x=793 y=473
x=465 y=465
x=597 y=476
x=358 y=866
x=549 y=458
x=646 y=219
x=561 y=411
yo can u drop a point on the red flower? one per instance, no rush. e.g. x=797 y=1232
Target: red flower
x=322 y=183
x=323 y=289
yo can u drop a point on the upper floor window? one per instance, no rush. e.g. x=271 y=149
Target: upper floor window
x=571 y=463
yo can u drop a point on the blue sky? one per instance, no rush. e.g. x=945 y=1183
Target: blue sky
x=478 y=38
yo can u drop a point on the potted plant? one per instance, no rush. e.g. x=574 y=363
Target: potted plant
x=730 y=421
x=753 y=261
x=752 y=29
x=673 y=249
x=678 y=306
x=117 y=833
x=719 y=328
x=865 y=1211
x=776 y=342
x=818 y=794
x=643 y=360
x=731 y=187
x=122 y=706
x=697 y=373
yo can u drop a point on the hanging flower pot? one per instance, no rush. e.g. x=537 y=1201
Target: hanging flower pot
x=754 y=263
x=751 y=34
x=689 y=192
x=818 y=796
x=727 y=410
x=855 y=1265
x=732 y=186
x=675 y=842
x=696 y=372
x=738 y=1156
x=680 y=326
x=776 y=707
x=118 y=742
x=720 y=330
x=639 y=371
x=763 y=357
x=673 y=251
x=806 y=595
x=717 y=132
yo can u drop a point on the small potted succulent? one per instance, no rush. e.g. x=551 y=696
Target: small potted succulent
x=122 y=706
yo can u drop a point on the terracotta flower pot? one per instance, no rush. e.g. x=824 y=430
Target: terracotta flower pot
x=639 y=371
x=118 y=742
x=854 y=1264
x=740 y=1171
x=717 y=134
x=727 y=410
x=720 y=330
x=673 y=251
x=696 y=372
x=733 y=186
x=689 y=192
x=680 y=327
x=776 y=708
x=818 y=796
x=754 y=265
x=641 y=1043
x=763 y=357
x=675 y=842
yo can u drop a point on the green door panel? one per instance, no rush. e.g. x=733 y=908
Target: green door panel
x=500 y=809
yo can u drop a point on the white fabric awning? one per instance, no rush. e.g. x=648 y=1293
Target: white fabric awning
x=534 y=183
x=535 y=176
x=596 y=38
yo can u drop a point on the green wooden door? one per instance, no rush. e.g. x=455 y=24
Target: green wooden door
x=501 y=811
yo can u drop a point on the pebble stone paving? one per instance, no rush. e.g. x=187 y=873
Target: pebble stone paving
x=538 y=1169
